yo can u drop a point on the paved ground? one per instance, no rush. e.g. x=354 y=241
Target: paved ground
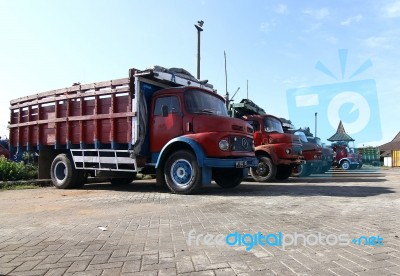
x=138 y=230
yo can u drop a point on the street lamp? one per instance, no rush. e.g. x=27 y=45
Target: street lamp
x=199 y=28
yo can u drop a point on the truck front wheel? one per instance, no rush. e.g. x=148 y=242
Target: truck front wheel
x=265 y=170
x=63 y=174
x=228 y=178
x=302 y=170
x=182 y=173
x=345 y=165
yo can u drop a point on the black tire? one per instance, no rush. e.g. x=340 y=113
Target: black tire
x=301 y=170
x=82 y=179
x=265 y=170
x=283 y=172
x=160 y=178
x=228 y=178
x=63 y=173
x=345 y=165
x=182 y=173
x=123 y=181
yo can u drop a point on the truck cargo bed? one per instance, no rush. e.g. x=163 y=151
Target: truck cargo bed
x=97 y=115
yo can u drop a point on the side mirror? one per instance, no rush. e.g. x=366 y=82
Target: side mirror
x=164 y=110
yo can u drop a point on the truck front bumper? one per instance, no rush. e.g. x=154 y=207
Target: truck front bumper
x=314 y=163
x=243 y=163
x=239 y=163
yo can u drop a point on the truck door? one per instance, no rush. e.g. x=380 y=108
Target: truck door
x=167 y=122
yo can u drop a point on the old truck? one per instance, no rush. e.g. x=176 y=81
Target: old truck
x=327 y=155
x=312 y=154
x=277 y=152
x=158 y=121
x=346 y=158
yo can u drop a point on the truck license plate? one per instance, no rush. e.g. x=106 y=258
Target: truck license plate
x=240 y=164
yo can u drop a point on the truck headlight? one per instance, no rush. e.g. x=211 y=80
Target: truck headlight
x=288 y=151
x=223 y=145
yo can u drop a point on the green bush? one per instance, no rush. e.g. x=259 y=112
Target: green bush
x=10 y=171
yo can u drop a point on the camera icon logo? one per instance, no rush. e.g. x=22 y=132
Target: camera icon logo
x=355 y=103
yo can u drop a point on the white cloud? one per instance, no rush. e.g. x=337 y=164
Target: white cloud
x=267 y=26
x=281 y=9
x=392 y=10
x=352 y=19
x=317 y=14
x=331 y=39
x=385 y=42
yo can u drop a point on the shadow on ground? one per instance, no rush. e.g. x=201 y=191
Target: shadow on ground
x=309 y=186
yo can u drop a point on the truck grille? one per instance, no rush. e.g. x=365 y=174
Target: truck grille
x=296 y=150
x=240 y=143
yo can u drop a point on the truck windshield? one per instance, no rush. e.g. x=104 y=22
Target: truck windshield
x=272 y=125
x=197 y=101
x=302 y=136
x=315 y=140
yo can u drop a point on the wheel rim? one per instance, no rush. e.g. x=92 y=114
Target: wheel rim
x=345 y=165
x=60 y=171
x=298 y=170
x=181 y=172
x=262 y=169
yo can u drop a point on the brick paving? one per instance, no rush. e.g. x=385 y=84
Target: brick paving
x=139 y=230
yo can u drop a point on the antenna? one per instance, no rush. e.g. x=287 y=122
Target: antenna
x=226 y=84
x=231 y=99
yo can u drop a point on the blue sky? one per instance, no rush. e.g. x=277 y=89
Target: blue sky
x=274 y=45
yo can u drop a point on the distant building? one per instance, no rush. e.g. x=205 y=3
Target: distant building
x=390 y=152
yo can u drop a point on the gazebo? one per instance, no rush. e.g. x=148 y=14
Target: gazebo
x=340 y=135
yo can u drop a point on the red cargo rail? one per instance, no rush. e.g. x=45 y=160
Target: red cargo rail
x=91 y=115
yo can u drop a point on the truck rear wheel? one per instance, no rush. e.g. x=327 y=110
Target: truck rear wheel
x=182 y=173
x=63 y=174
x=265 y=170
x=228 y=178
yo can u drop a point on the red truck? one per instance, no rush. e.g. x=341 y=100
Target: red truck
x=158 y=120
x=327 y=156
x=277 y=152
x=346 y=158
x=312 y=153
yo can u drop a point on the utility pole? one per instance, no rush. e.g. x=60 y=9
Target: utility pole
x=226 y=85
x=316 y=114
x=199 y=27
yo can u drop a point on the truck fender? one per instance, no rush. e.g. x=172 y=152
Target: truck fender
x=198 y=151
x=343 y=159
x=266 y=151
